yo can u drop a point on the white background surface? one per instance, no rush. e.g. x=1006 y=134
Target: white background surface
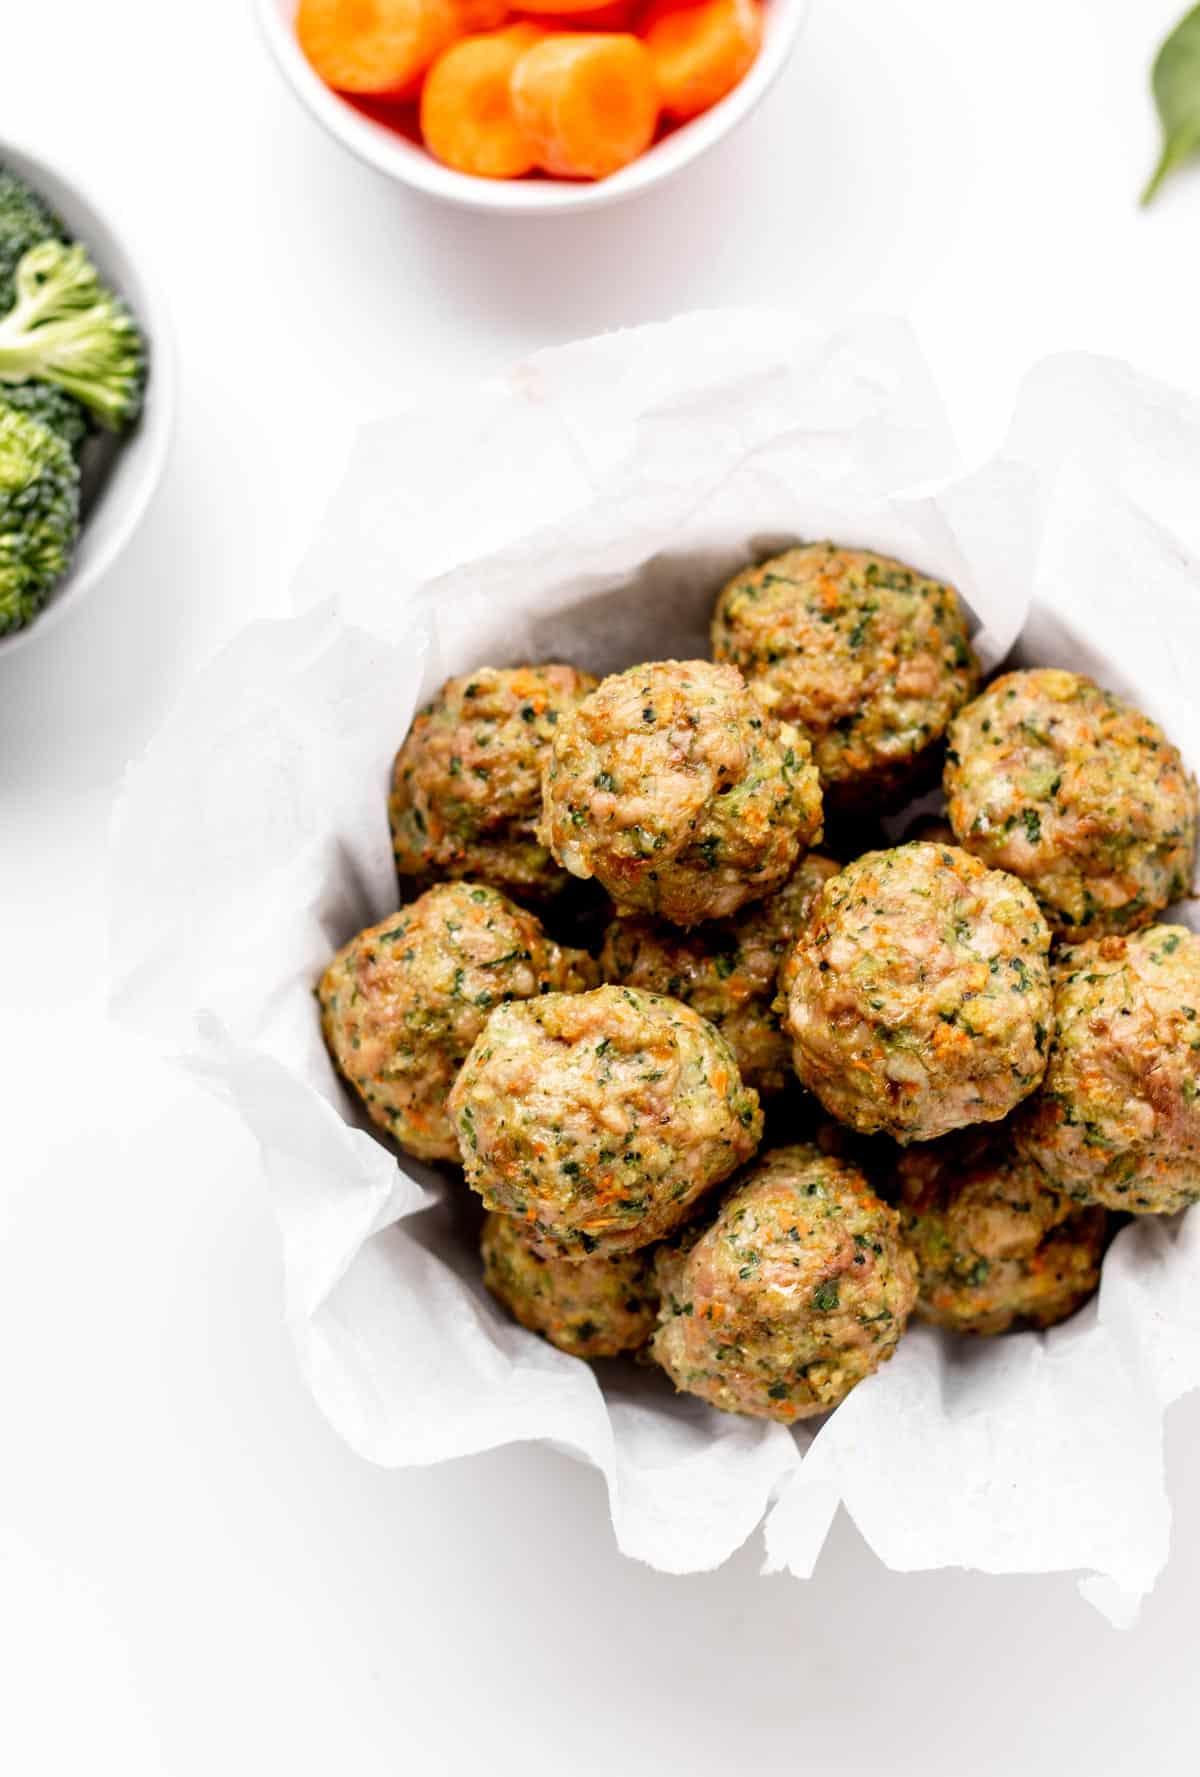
x=194 y=1575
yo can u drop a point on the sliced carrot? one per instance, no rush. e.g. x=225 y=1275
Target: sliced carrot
x=617 y=16
x=701 y=52
x=482 y=15
x=587 y=102
x=586 y=16
x=375 y=46
x=467 y=116
x=565 y=8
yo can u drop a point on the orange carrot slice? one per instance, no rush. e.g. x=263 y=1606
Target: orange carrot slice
x=482 y=15
x=700 y=52
x=564 y=8
x=467 y=116
x=618 y=16
x=587 y=102
x=375 y=46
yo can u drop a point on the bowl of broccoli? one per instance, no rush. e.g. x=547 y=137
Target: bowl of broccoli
x=85 y=394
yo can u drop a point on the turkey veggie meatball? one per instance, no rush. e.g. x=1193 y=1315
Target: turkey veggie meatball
x=727 y=970
x=588 y=1307
x=918 y=994
x=1117 y=1120
x=799 y=1288
x=867 y=657
x=600 y=1118
x=466 y=785
x=1078 y=794
x=996 y=1247
x=402 y=1003
x=671 y=786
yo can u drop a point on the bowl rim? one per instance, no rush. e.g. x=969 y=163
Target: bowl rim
x=411 y=165
x=134 y=475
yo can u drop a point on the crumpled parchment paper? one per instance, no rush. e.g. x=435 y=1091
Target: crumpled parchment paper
x=588 y=506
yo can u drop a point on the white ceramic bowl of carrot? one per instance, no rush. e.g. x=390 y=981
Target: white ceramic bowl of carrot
x=384 y=128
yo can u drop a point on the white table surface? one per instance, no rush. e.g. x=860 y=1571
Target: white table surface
x=195 y=1576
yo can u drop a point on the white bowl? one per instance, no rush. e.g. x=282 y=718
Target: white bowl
x=400 y=159
x=119 y=474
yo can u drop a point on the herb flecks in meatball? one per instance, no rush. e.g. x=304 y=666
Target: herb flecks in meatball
x=600 y=1118
x=593 y=1307
x=996 y=1246
x=1117 y=1121
x=727 y=970
x=798 y=1289
x=918 y=995
x=402 y=1003
x=466 y=785
x=866 y=656
x=672 y=787
x=1078 y=794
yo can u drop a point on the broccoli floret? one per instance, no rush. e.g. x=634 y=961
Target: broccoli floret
x=65 y=328
x=54 y=407
x=39 y=515
x=24 y=222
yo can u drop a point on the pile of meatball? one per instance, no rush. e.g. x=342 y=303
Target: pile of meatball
x=970 y=1051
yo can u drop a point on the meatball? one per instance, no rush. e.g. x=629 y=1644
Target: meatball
x=402 y=1003
x=671 y=786
x=1078 y=794
x=588 y=1307
x=727 y=970
x=918 y=995
x=996 y=1246
x=466 y=785
x=1117 y=1121
x=799 y=1288
x=867 y=657
x=600 y=1118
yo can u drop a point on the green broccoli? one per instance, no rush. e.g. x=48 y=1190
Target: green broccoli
x=39 y=515
x=54 y=407
x=65 y=328
x=24 y=222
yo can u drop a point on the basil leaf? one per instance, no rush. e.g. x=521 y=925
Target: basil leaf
x=1177 y=95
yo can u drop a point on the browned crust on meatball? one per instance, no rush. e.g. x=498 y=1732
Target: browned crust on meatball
x=1117 y=1121
x=727 y=970
x=596 y=1307
x=675 y=791
x=863 y=654
x=996 y=1245
x=918 y=995
x=799 y=1288
x=600 y=1118
x=402 y=1003
x=1079 y=794
x=466 y=784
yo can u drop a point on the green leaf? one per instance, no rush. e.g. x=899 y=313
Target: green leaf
x=1176 y=83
